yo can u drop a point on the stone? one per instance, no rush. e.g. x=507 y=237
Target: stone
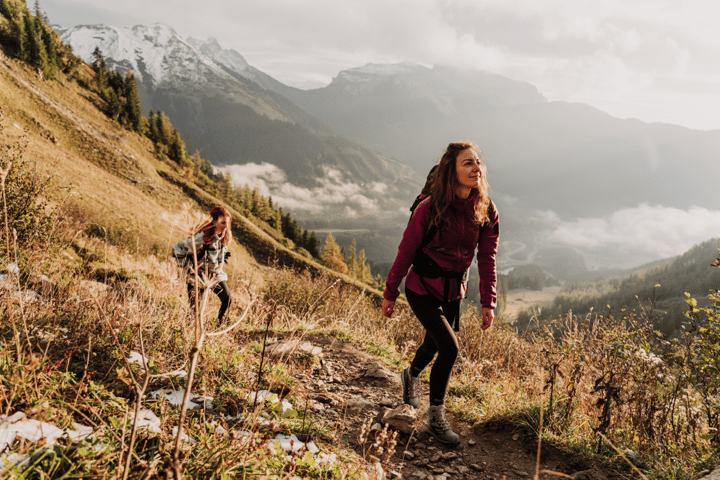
x=293 y=347
x=378 y=370
x=419 y=474
x=476 y=467
x=462 y=469
x=436 y=457
x=401 y=418
x=472 y=442
x=92 y=288
x=449 y=456
x=408 y=454
x=358 y=403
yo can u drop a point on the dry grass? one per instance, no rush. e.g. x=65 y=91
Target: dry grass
x=589 y=379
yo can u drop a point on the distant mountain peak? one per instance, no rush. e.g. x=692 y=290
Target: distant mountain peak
x=155 y=53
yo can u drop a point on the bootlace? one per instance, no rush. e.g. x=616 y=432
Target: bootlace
x=413 y=386
x=440 y=419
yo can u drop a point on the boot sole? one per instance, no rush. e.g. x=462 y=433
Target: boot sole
x=437 y=437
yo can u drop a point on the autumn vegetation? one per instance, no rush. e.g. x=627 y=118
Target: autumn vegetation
x=87 y=280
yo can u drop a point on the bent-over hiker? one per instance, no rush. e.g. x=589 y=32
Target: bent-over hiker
x=444 y=231
x=211 y=247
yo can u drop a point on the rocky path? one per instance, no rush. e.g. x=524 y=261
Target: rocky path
x=351 y=388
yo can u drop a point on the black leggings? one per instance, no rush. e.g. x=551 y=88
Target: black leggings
x=436 y=316
x=221 y=290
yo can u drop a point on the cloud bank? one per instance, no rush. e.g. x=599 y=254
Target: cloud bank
x=334 y=196
x=650 y=231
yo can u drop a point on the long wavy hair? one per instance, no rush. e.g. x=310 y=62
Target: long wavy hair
x=445 y=186
x=208 y=228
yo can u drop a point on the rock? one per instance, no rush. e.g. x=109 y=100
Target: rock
x=472 y=442
x=358 y=403
x=583 y=475
x=293 y=347
x=436 y=457
x=476 y=467
x=462 y=469
x=408 y=454
x=401 y=418
x=420 y=446
x=521 y=473
x=419 y=474
x=449 y=456
x=94 y=289
x=386 y=402
x=516 y=436
x=377 y=370
x=376 y=470
x=707 y=475
x=394 y=474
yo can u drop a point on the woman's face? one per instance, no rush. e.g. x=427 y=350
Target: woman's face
x=467 y=167
x=221 y=224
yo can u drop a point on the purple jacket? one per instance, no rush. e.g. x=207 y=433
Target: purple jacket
x=452 y=248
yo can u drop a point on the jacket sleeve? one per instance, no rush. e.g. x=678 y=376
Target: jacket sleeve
x=411 y=240
x=184 y=247
x=487 y=250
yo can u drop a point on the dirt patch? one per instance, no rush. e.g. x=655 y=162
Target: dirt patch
x=341 y=391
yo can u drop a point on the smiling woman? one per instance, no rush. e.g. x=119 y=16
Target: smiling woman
x=439 y=242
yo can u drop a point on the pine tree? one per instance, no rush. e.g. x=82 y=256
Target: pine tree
x=5 y=10
x=101 y=70
x=114 y=105
x=313 y=245
x=352 y=259
x=176 y=149
x=51 y=47
x=36 y=54
x=152 y=127
x=49 y=64
x=164 y=129
x=364 y=273
x=133 y=112
x=14 y=35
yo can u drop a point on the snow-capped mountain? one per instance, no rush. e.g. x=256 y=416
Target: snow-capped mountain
x=157 y=56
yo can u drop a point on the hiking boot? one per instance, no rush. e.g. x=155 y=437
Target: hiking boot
x=411 y=390
x=439 y=428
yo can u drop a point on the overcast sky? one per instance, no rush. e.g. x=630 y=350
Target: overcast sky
x=658 y=61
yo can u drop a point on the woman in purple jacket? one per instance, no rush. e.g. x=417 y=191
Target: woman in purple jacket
x=439 y=242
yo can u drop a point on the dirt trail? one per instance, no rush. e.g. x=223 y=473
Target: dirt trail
x=342 y=392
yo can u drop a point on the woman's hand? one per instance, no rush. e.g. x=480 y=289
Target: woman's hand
x=488 y=314
x=388 y=307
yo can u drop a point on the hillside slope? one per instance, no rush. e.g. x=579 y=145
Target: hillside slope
x=109 y=176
